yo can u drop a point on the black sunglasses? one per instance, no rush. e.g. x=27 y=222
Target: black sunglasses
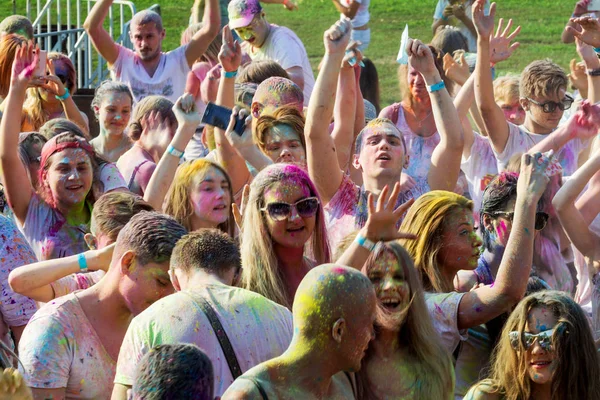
x=549 y=106
x=280 y=211
x=541 y=218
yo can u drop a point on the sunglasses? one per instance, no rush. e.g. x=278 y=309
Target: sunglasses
x=549 y=106
x=544 y=338
x=541 y=218
x=280 y=211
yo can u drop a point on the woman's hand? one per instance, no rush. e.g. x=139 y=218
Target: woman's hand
x=421 y=58
x=532 y=179
x=337 y=37
x=24 y=65
x=353 y=55
x=51 y=82
x=484 y=24
x=240 y=143
x=238 y=212
x=230 y=55
x=587 y=29
x=210 y=85
x=500 y=44
x=578 y=77
x=457 y=70
x=100 y=259
x=581 y=7
x=382 y=219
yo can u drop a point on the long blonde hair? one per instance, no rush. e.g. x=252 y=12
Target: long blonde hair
x=261 y=272
x=427 y=356
x=426 y=219
x=178 y=203
x=577 y=374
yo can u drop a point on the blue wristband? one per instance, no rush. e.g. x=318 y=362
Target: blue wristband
x=230 y=74
x=436 y=87
x=83 y=267
x=64 y=96
x=364 y=242
x=597 y=49
x=173 y=151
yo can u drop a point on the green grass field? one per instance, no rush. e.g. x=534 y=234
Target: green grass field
x=542 y=22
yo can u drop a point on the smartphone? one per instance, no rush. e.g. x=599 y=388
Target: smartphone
x=594 y=5
x=40 y=69
x=219 y=117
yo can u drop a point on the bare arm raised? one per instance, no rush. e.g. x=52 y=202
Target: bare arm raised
x=211 y=24
x=93 y=25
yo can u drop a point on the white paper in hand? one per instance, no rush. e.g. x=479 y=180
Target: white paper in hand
x=402 y=56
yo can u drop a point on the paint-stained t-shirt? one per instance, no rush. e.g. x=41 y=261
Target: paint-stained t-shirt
x=60 y=349
x=258 y=330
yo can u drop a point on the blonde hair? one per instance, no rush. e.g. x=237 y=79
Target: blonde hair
x=542 y=78
x=261 y=271
x=577 y=373
x=426 y=219
x=33 y=109
x=506 y=88
x=416 y=335
x=286 y=115
x=9 y=44
x=160 y=104
x=178 y=203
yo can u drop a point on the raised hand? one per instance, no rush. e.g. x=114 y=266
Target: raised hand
x=185 y=111
x=532 y=178
x=245 y=140
x=500 y=44
x=420 y=57
x=587 y=54
x=238 y=213
x=457 y=70
x=13 y=387
x=230 y=55
x=24 y=64
x=459 y=11
x=584 y=124
x=484 y=24
x=51 y=82
x=587 y=29
x=101 y=258
x=578 y=76
x=353 y=56
x=290 y=5
x=581 y=8
x=337 y=37
x=383 y=218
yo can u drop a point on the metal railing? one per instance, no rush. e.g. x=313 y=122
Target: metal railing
x=58 y=26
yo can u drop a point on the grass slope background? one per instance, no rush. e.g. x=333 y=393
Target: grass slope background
x=542 y=22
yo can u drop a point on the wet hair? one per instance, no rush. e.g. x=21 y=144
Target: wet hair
x=178 y=201
x=160 y=104
x=106 y=88
x=542 y=78
x=174 y=372
x=277 y=91
x=259 y=71
x=506 y=88
x=375 y=124
x=369 y=84
x=8 y=49
x=286 y=115
x=112 y=211
x=151 y=236
x=211 y=55
x=147 y=17
x=450 y=39
x=207 y=249
x=16 y=24
x=496 y=196
x=577 y=372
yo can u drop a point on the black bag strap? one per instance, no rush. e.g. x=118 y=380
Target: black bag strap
x=226 y=346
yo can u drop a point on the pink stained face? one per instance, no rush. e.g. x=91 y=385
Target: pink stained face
x=114 y=113
x=513 y=112
x=147 y=41
x=382 y=151
x=416 y=84
x=283 y=145
x=146 y=284
x=211 y=199
x=295 y=230
x=541 y=363
x=391 y=286
x=460 y=243
x=69 y=176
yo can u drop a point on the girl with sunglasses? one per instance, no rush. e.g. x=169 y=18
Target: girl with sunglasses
x=283 y=234
x=546 y=352
x=53 y=98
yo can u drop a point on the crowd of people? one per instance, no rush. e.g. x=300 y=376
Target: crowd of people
x=442 y=247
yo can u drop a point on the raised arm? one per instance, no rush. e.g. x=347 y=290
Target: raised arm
x=230 y=57
x=587 y=29
x=17 y=189
x=322 y=160
x=101 y=39
x=591 y=61
x=211 y=24
x=445 y=160
x=580 y=9
x=572 y=220
x=481 y=305
x=290 y=5
x=160 y=182
x=493 y=117
x=350 y=11
x=35 y=280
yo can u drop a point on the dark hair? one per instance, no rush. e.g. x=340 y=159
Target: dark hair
x=174 y=372
x=112 y=211
x=449 y=40
x=369 y=83
x=151 y=235
x=258 y=71
x=207 y=249
x=56 y=126
x=495 y=198
x=27 y=140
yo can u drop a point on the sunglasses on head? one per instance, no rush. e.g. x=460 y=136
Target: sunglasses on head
x=544 y=338
x=541 y=218
x=280 y=211
x=549 y=106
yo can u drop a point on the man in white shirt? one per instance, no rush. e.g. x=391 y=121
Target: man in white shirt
x=148 y=70
x=265 y=41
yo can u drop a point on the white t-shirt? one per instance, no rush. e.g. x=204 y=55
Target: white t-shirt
x=471 y=39
x=443 y=309
x=286 y=48
x=60 y=349
x=257 y=328
x=520 y=141
x=168 y=80
x=362 y=15
x=75 y=282
x=480 y=168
